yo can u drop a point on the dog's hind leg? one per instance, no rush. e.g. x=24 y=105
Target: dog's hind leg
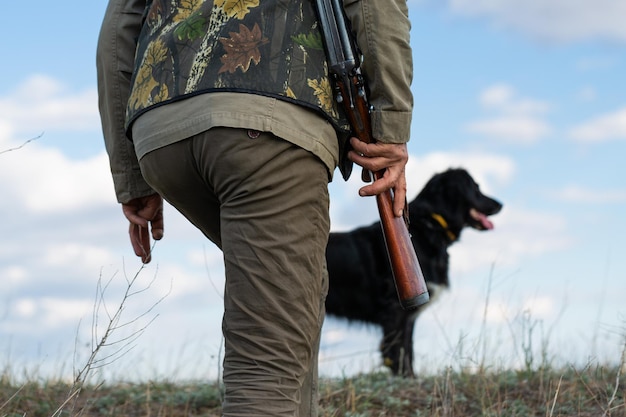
x=406 y=368
x=391 y=349
x=397 y=344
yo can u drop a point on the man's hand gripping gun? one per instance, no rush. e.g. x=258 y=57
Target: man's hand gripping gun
x=350 y=92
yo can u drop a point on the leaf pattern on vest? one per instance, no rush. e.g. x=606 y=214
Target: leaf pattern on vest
x=242 y=49
x=237 y=8
x=324 y=93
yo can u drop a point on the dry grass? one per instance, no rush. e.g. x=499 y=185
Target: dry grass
x=591 y=392
x=537 y=388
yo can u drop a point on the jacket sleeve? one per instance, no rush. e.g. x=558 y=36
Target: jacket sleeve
x=382 y=29
x=114 y=63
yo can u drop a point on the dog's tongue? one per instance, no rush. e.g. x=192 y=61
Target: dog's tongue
x=481 y=218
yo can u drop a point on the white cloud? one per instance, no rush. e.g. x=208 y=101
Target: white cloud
x=13 y=276
x=78 y=255
x=6 y=133
x=43 y=104
x=25 y=308
x=587 y=94
x=58 y=312
x=540 y=307
x=488 y=170
x=518 y=234
x=40 y=179
x=497 y=95
x=596 y=63
x=497 y=312
x=555 y=20
x=517 y=119
x=521 y=130
x=504 y=98
x=577 y=194
x=48 y=312
x=603 y=128
x=44 y=180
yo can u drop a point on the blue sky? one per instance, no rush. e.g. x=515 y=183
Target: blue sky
x=528 y=96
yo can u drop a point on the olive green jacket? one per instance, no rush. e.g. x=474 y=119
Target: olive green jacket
x=382 y=28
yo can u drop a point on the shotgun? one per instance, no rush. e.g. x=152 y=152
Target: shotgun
x=350 y=92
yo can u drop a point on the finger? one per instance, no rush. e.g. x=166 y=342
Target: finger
x=157 y=225
x=133 y=233
x=370 y=163
x=399 y=197
x=376 y=160
x=157 y=232
x=392 y=151
x=140 y=241
x=144 y=241
x=131 y=214
x=357 y=144
x=379 y=186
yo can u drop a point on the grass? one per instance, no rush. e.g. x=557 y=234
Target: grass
x=594 y=391
x=536 y=388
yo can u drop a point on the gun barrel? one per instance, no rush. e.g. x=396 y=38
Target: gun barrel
x=340 y=55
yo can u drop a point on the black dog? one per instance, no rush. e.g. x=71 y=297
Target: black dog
x=361 y=284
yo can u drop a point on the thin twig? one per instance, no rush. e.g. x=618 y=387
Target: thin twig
x=586 y=386
x=617 y=380
x=556 y=395
x=99 y=342
x=67 y=401
x=484 y=322
x=22 y=145
x=12 y=397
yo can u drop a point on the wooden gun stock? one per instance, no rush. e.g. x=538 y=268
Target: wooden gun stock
x=405 y=267
x=407 y=274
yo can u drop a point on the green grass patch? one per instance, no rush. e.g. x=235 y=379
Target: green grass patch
x=590 y=392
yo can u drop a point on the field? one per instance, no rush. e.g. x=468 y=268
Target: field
x=595 y=391
x=534 y=387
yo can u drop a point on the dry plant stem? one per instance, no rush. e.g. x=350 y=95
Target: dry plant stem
x=100 y=342
x=70 y=397
x=448 y=395
x=556 y=395
x=126 y=343
x=620 y=369
x=12 y=397
x=587 y=387
x=484 y=322
x=22 y=145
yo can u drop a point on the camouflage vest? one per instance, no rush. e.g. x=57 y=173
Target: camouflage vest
x=268 y=47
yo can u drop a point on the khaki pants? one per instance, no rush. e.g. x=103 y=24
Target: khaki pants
x=264 y=202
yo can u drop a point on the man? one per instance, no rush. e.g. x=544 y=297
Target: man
x=232 y=120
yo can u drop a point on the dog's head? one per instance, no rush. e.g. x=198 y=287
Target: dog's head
x=455 y=201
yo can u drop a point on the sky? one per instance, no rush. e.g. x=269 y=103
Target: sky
x=529 y=96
